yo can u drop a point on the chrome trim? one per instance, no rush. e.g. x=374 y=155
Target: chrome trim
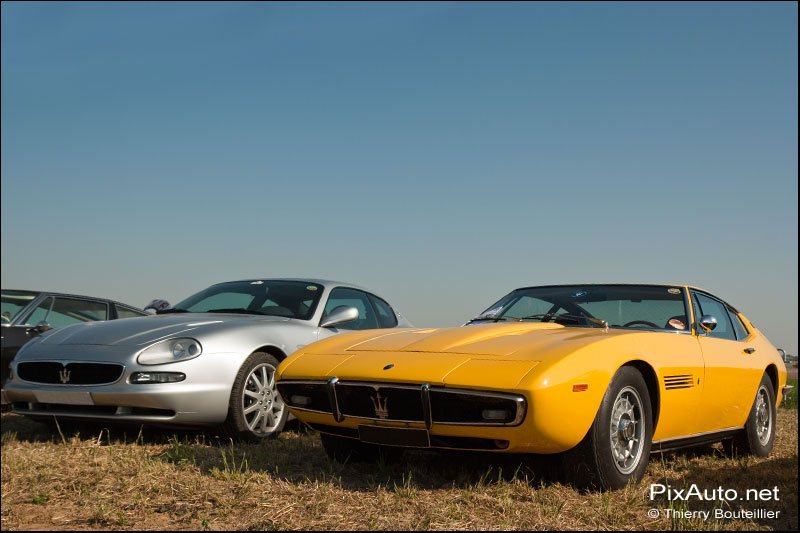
x=697 y=435
x=304 y=382
x=708 y=323
x=64 y=363
x=378 y=384
x=520 y=401
x=337 y=415
x=426 y=404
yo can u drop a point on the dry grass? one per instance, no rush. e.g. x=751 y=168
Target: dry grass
x=93 y=478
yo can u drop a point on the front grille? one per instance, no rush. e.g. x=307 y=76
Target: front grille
x=308 y=396
x=404 y=402
x=453 y=407
x=382 y=402
x=53 y=373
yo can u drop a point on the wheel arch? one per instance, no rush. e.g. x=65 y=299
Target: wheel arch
x=272 y=350
x=651 y=380
x=772 y=372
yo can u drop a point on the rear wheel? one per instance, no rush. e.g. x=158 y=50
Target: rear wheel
x=758 y=436
x=255 y=410
x=616 y=448
x=344 y=450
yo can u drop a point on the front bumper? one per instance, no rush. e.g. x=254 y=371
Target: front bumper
x=445 y=417
x=201 y=399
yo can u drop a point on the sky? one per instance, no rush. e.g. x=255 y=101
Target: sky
x=440 y=154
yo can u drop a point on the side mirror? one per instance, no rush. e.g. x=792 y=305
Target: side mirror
x=782 y=353
x=41 y=327
x=340 y=315
x=708 y=323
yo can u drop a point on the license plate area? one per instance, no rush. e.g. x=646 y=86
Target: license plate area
x=389 y=436
x=64 y=397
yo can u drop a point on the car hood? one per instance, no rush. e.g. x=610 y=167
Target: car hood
x=149 y=329
x=453 y=356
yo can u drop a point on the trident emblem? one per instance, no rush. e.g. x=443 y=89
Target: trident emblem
x=380 y=404
x=64 y=375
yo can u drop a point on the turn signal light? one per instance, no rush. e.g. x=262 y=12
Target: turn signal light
x=580 y=387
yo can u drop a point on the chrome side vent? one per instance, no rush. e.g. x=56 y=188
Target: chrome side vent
x=679 y=381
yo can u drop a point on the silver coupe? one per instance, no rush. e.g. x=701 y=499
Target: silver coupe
x=209 y=360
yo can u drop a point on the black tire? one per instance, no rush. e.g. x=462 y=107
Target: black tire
x=592 y=463
x=751 y=440
x=344 y=450
x=244 y=422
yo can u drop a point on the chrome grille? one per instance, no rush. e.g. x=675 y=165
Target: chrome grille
x=402 y=402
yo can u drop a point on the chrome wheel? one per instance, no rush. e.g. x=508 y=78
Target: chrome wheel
x=627 y=430
x=262 y=406
x=763 y=416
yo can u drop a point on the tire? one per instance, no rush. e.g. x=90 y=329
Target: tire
x=344 y=450
x=607 y=459
x=758 y=436
x=255 y=411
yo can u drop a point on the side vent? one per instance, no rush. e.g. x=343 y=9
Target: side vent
x=681 y=381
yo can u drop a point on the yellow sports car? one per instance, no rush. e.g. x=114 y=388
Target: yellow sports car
x=600 y=374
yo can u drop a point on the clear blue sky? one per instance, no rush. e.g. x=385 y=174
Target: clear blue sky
x=440 y=154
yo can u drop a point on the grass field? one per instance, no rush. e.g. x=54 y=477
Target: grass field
x=95 y=478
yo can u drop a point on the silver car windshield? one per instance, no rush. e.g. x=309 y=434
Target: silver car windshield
x=617 y=306
x=291 y=299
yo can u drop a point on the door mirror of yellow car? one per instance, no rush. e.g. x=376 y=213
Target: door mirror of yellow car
x=340 y=315
x=708 y=323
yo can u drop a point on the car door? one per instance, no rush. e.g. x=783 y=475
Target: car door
x=349 y=297
x=731 y=377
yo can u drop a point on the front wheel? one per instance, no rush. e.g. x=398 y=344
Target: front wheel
x=616 y=448
x=255 y=410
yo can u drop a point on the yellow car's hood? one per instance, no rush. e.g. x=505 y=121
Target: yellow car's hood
x=452 y=356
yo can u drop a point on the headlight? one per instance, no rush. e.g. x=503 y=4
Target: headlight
x=170 y=351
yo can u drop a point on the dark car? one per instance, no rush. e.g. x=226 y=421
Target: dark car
x=25 y=314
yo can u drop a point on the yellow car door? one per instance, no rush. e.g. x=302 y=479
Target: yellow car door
x=731 y=372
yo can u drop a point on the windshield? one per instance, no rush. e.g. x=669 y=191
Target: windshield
x=291 y=299
x=619 y=306
x=13 y=302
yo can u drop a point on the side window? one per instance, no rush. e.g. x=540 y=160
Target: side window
x=343 y=297
x=386 y=317
x=715 y=308
x=40 y=313
x=68 y=311
x=124 y=312
x=739 y=327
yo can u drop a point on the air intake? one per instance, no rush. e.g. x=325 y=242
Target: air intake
x=681 y=381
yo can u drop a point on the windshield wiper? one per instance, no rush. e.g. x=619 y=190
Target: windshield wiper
x=486 y=317
x=577 y=319
x=171 y=310
x=235 y=310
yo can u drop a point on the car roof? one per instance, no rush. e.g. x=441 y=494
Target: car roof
x=70 y=295
x=325 y=282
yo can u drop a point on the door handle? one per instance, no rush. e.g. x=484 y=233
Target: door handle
x=749 y=350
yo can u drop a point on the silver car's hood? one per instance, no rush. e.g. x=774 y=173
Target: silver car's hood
x=149 y=329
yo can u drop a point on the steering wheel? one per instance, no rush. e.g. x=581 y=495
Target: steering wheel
x=644 y=322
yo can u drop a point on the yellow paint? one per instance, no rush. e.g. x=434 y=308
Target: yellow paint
x=543 y=362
